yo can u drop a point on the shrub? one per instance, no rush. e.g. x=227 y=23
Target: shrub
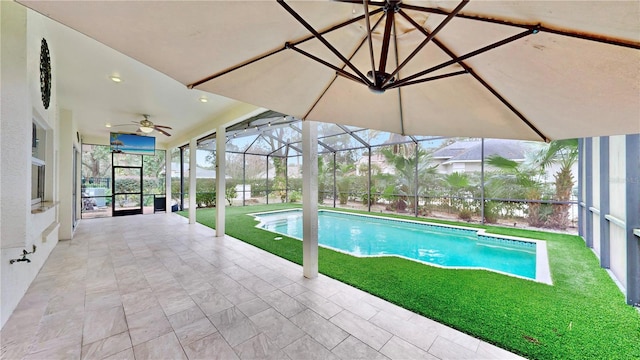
x=295 y=196
x=230 y=193
x=401 y=205
x=424 y=210
x=490 y=212
x=343 y=197
x=465 y=214
x=206 y=199
x=370 y=198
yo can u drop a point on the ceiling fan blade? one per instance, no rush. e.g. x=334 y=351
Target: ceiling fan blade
x=162 y=131
x=122 y=125
x=162 y=126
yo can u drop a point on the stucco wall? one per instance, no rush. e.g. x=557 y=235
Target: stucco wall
x=21 y=34
x=67 y=143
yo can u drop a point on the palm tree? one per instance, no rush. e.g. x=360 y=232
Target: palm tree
x=344 y=172
x=405 y=164
x=526 y=180
x=565 y=154
x=516 y=180
x=457 y=184
x=323 y=175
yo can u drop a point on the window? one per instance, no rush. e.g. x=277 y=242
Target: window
x=38 y=163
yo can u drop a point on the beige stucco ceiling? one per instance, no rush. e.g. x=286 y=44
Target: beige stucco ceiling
x=83 y=67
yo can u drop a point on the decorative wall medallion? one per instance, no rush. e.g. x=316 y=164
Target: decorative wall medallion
x=45 y=74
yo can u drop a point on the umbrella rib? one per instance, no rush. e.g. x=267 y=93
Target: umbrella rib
x=362 y=42
x=464 y=16
x=367 y=22
x=216 y=75
x=491 y=90
x=506 y=103
x=395 y=46
x=440 y=26
x=399 y=83
x=438 y=77
x=338 y=26
x=375 y=3
x=273 y=52
x=320 y=97
x=616 y=42
x=308 y=26
x=335 y=77
x=610 y=41
x=385 y=42
x=459 y=60
x=327 y=64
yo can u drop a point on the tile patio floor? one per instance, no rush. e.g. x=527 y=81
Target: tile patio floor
x=155 y=287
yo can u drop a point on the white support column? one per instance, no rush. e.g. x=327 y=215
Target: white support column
x=193 y=148
x=221 y=169
x=310 y=199
x=167 y=179
x=66 y=133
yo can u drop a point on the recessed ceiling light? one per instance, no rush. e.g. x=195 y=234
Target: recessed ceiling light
x=115 y=78
x=107 y=125
x=204 y=99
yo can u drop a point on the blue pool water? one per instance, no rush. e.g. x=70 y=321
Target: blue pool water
x=439 y=245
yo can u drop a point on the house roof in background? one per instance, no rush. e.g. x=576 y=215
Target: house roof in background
x=466 y=151
x=454 y=149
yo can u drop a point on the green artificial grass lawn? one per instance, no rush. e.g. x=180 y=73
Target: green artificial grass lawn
x=582 y=316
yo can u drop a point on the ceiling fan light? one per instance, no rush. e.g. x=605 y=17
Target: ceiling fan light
x=146 y=129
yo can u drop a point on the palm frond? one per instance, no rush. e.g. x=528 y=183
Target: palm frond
x=502 y=163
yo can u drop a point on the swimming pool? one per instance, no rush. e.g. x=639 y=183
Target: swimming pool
x=433 y=244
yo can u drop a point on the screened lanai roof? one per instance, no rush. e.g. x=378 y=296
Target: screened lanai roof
x=275 y=134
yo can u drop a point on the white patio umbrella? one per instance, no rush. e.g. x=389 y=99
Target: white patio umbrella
x=534 y=70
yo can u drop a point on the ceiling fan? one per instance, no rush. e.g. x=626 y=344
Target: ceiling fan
x=146 y=126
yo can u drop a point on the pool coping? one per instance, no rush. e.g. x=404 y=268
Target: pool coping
x=543 y=271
